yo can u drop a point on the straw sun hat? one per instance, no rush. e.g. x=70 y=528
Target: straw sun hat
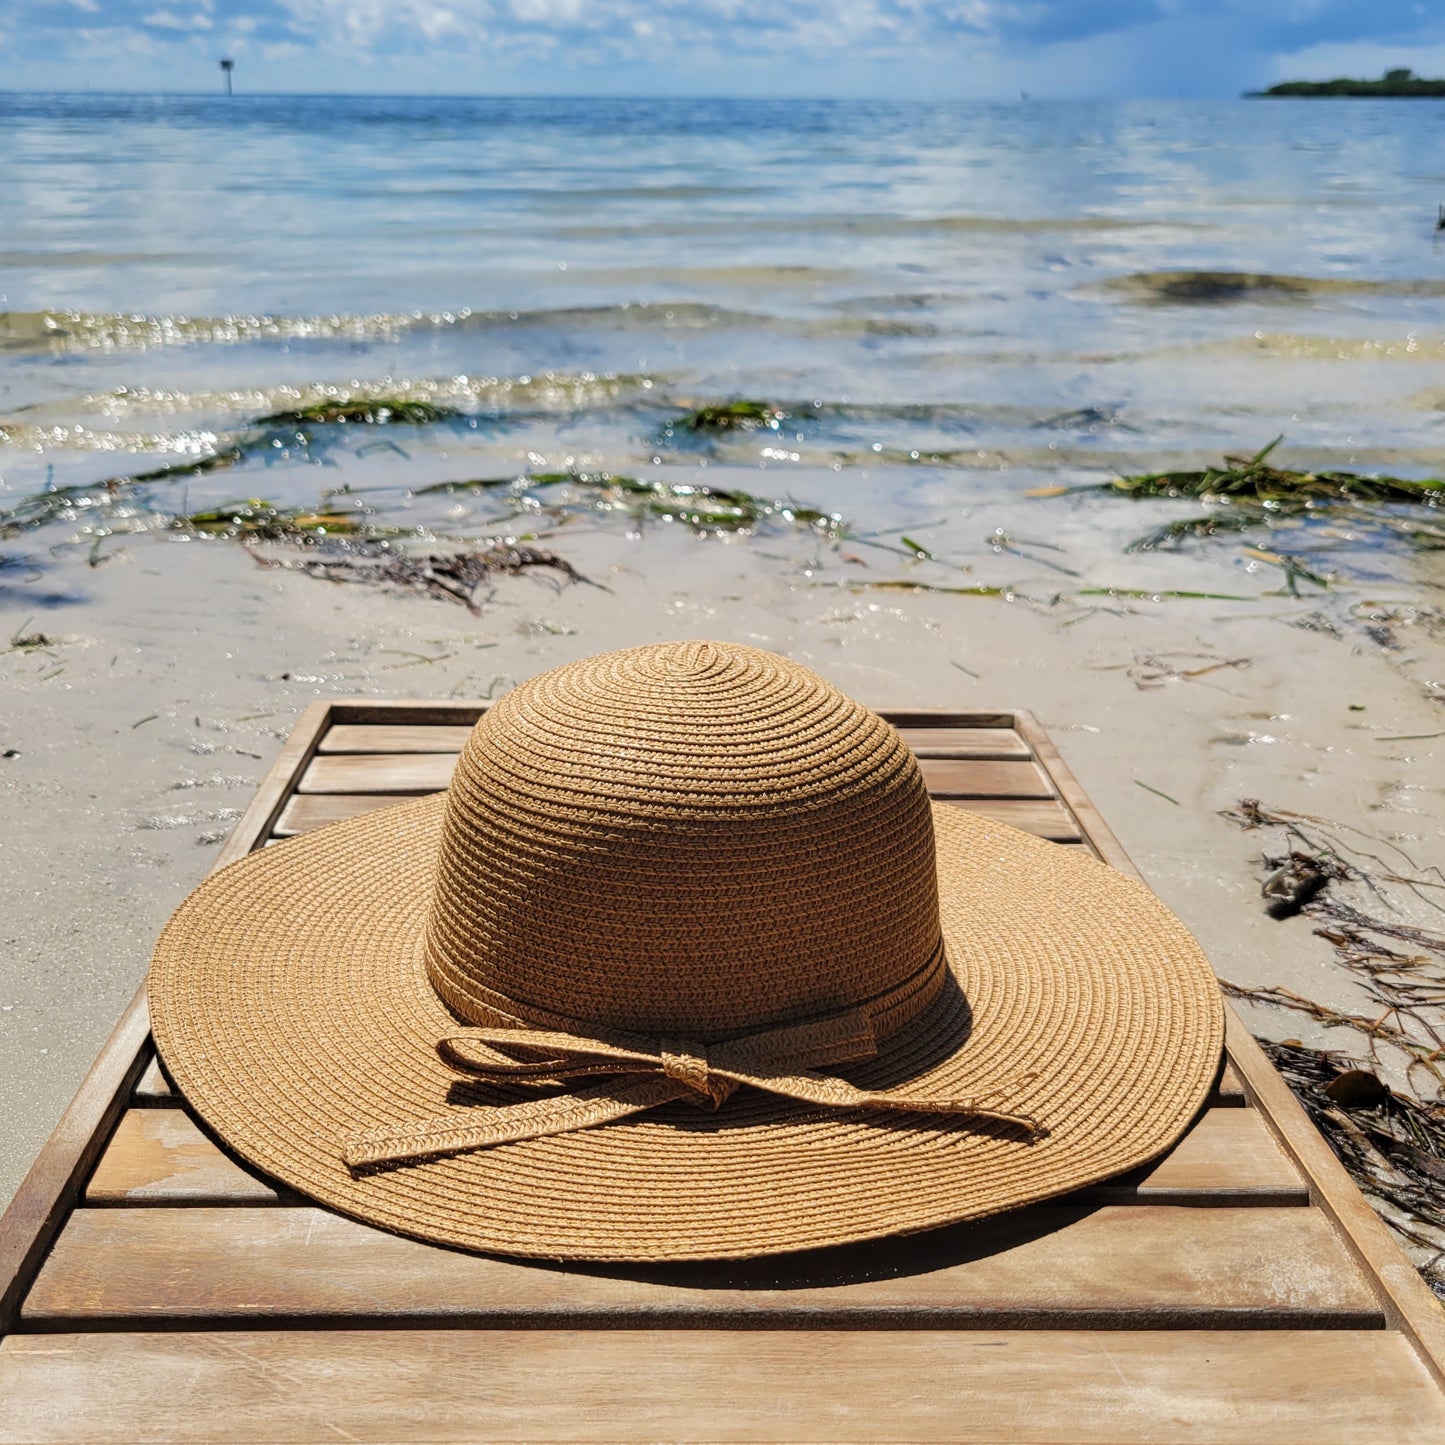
x=685 y=965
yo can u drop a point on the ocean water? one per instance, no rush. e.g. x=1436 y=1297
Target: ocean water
x=943 y=306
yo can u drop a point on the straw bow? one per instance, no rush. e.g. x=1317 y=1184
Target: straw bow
x=637 y=1073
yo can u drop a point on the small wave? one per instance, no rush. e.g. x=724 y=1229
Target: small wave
x=549 y=391
x=42 y=332
x=62 y=260
x=49 y=331
x=778 y=277
x=182 y=445
x=1295 y=346
x=871 y=225
x=1210 y=288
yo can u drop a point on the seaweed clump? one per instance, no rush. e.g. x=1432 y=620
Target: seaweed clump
x=741 y=414
x=372 y=411
x=1195 y=288
x=257 y=520
x=721 y=509
x=1254 y=479
x=1250 y=494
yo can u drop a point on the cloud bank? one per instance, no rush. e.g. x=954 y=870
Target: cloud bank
x=720 y=47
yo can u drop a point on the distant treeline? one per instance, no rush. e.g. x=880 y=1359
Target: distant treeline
x=1393 y=82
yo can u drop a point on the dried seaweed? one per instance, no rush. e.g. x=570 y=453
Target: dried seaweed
x=449 y=577
x=1392 y=1142
x=1392 y=1145
x=1404 y=985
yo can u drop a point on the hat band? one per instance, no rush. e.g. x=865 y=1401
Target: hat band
x=890 y=1010
x=639 y=1073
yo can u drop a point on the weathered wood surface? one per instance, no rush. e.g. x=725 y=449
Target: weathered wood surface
x=152 y=1088
x=393 y=738
x=40 y=1205
x=1059 y=1267
x=304 y=814
x=1031 y=1387
x=160 y=1156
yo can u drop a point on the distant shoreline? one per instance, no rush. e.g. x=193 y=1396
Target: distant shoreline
x=1397 y=84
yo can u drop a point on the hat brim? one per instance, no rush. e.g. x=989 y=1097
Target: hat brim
x=290 y=1004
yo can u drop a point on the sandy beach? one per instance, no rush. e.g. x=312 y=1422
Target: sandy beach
x=136 y=733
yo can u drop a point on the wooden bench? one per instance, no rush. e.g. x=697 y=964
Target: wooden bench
x=1238 y=1289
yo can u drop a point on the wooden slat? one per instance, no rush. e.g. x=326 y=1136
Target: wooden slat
x=981 y=778
x=1228 y=1157
x=378 y=773
x=39 y=1207
x=1230 y=1089
x=1031 y=1387
x=396 y=738
x=944 y=717
x=1001 y=743
x=49 y=1190
x=153 y=1089
x=1410 y=1305
x=406 y=712
x=259 y=818
x=1061 y=1268
x=1041 y=816
x=305 y=812
x=160 y=1156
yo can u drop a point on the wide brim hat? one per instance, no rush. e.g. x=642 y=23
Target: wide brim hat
x=688 y=874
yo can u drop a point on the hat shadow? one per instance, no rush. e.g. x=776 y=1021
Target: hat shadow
x=943 y=1031
x=847 y=1264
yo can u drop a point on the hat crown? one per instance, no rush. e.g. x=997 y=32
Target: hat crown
x=692 y=839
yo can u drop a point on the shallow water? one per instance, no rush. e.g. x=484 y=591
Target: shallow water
x=950 y=304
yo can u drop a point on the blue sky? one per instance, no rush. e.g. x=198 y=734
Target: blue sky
x=887 y=48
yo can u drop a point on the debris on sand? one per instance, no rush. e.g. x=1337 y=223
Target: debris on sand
x=1392 y=1145
x=449 y=577
x=1318 y=512
x=1391 y=1140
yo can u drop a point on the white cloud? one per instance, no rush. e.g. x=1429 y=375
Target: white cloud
x=169 y=20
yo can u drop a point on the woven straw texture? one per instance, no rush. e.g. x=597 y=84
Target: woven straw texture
x=693 y=841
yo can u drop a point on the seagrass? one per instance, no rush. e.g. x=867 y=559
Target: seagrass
x=684 y=874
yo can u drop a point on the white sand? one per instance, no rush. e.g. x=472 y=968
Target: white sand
x=143 y=732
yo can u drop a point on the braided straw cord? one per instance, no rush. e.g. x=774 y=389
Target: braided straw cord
x=292 y=1000
x=777 y=1061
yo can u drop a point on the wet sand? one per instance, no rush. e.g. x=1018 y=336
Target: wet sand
x=140 y=732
